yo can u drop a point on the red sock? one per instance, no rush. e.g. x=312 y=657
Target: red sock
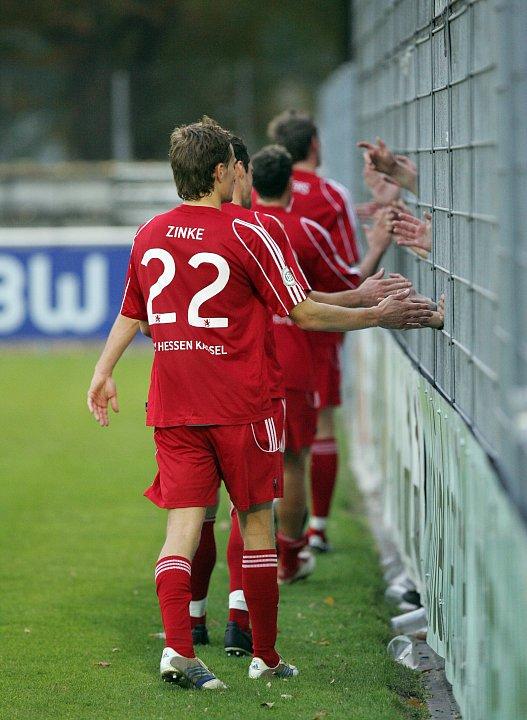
x=288 y=550
x=238 y=612
x=202 y=567
x=173 y=590
x=324 y=459
x=260 y=588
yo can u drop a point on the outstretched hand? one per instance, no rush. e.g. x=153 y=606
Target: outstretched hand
x=400 y=312
x=379 y=235
x=101 y=391
x=412 y=232
x=377 y=286
x=380 y=156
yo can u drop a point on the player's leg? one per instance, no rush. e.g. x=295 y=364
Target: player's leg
x=187 y=483
x=248 y=459
x=238 y=636
x=202 y=567
x=324 y=466
x=259 y=582
x=173 y=573
x=260 y=588
x=295 y=561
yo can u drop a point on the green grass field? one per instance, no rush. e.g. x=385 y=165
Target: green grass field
x=78 y=607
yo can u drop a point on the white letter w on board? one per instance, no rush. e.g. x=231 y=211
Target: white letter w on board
x=63 y=310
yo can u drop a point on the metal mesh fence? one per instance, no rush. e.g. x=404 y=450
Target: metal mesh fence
x=435 y=79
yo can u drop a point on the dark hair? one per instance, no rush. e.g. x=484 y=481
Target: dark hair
x=240 y=151
x=195 y=150
x=294 y=130
x=272 y=166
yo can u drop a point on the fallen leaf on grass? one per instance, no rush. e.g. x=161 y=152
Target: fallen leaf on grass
x=267 y=704
x=415 y=702
x=27 y=630
x=320 y=714
x=321 y=642
x=103 y=663
x=268 y=684
x=115 y=649
x=332 y=681
x=329 y=601
x=286 y=697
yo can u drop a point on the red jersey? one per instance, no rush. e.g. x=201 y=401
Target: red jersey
x=204 y=281
x=329 y=204
x=275 y=367
x=322 y=265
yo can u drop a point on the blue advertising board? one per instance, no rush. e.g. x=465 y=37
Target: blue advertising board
x=61 y=291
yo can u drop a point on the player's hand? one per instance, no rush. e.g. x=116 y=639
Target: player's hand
x=102 y=390
x=379 y=235
x=377 y=286
x=380 y=156
x=367 y=210
x=386 y=190
x=400 y=312
x=411 y=232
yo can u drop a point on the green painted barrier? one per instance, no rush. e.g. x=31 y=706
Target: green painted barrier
x=459 y=536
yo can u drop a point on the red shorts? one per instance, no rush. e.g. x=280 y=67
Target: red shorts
x=326 y=357
x=279 y=416
x=300 y=419
x=192 y=460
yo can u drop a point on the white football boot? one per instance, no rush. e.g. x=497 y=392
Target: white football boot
x=188 y=672
x=258 y=669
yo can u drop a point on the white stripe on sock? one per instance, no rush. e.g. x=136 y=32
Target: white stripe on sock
x=237 y=600
x=197 y=608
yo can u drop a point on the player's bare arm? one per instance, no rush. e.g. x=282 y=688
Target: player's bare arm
x=367 y=294
x=379 y=238
x=385 y=189
x=145 y=328
x=102 y=388
x=395 y=312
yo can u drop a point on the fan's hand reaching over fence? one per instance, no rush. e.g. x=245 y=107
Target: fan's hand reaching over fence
x=399 y=167
x=411 y=232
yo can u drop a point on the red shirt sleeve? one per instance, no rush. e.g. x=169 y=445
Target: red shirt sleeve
x=133 y=305
x=345 y=229
x=278 y=231
x=328 y=271
x=274 y=280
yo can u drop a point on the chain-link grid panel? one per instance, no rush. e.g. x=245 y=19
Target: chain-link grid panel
x=512 y=175
x=434 y=80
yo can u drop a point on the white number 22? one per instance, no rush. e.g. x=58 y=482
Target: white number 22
x=208 y=292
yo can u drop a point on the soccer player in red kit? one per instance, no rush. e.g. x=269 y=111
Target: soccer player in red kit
x=237 y=640
x=321 y=263
x=203 y=280
x=328 y=204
